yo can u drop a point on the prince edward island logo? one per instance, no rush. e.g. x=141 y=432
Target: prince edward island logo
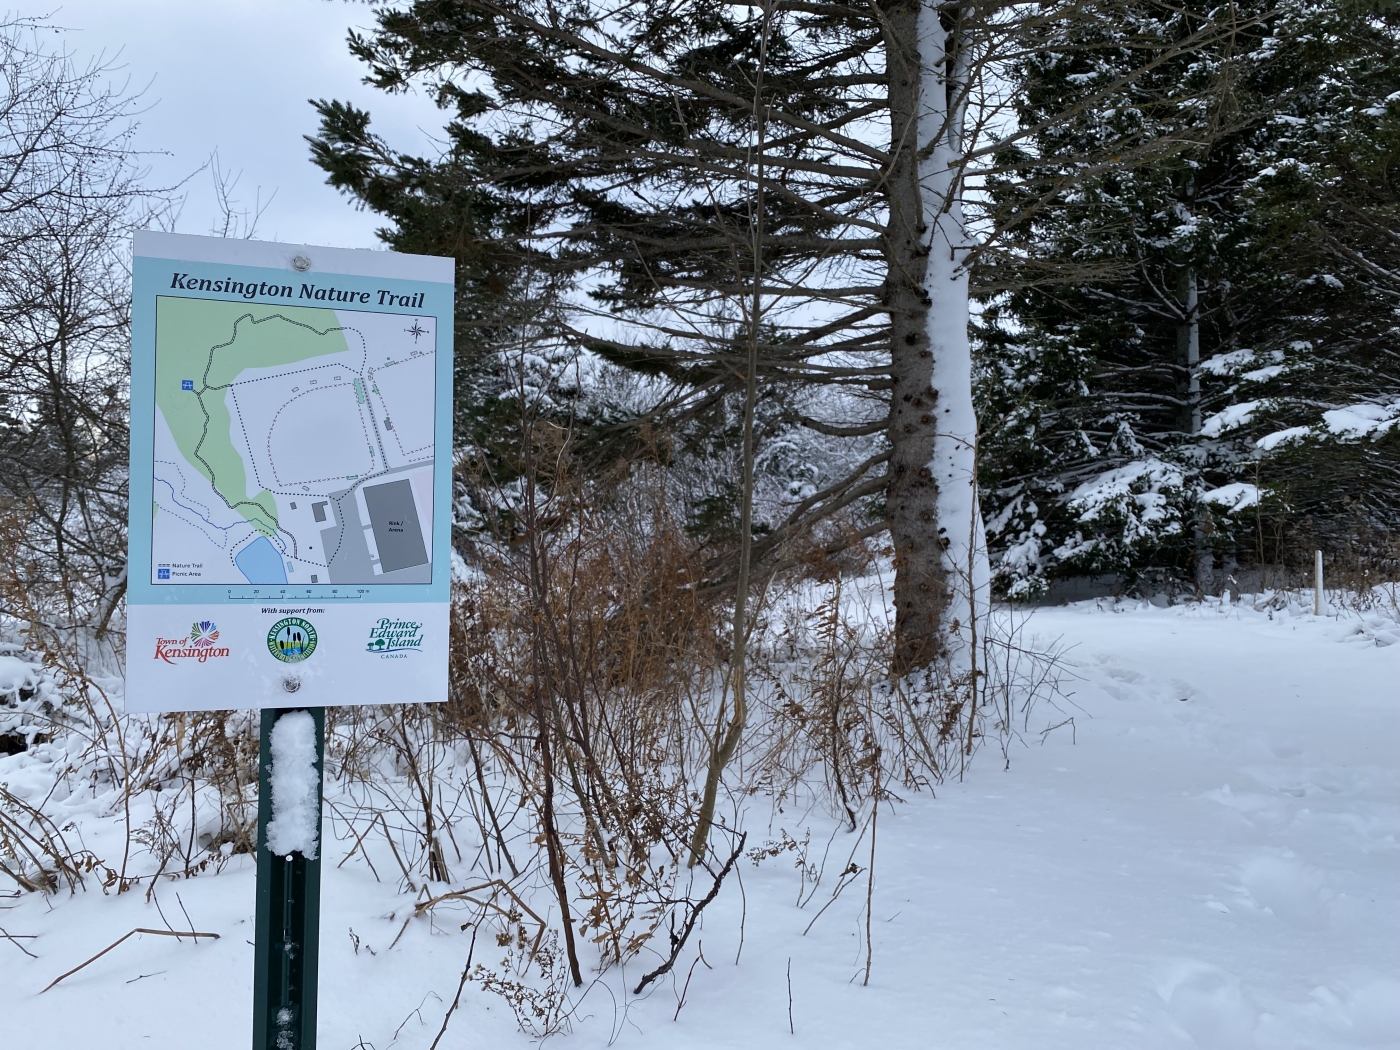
x=395 y=636
x=291 y=640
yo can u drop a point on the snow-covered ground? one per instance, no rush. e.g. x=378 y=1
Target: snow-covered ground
x=1209 y=856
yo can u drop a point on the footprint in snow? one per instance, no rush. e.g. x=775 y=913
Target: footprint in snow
x=1123 y=674
x=1265 y=811
x=1208 y=1003
x=1364 y=1012
x=1176 y=689
x=1291 y=890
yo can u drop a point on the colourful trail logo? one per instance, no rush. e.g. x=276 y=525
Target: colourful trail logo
x=204 y=633
x=291 y=640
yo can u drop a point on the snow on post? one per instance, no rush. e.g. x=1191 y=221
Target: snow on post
x=295 y=826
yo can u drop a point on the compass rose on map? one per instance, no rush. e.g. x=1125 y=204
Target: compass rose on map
x=416 y=331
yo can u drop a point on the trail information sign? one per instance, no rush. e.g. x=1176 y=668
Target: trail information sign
x=290 y=475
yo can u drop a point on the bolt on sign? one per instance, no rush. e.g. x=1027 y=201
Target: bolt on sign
x=290 y=475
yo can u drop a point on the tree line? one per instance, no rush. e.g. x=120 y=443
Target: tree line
x=1014 y=292
x=1115 y=278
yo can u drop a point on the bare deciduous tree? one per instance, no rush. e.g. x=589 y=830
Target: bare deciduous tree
x=70 y=192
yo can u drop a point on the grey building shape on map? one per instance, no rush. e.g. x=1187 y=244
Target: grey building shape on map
x=394 y=518
x=318 y=510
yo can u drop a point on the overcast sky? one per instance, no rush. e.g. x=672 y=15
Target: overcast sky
x=235 y=77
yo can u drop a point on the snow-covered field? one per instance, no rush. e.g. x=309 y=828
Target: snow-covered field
x=1208 y=856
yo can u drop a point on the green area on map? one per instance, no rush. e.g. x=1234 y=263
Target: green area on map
x=212 y=343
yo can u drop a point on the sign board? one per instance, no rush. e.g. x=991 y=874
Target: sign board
x=291 y=475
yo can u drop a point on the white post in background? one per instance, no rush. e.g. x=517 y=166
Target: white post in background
x=1317 y=585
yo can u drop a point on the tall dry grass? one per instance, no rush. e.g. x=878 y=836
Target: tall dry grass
x=553 y=798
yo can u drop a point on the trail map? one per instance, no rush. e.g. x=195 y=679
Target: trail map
x=292 y=445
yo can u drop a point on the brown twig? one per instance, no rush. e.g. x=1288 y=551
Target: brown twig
x=400 y=933
x=791 y=1029
x=870 y=880
x=679 y=942
x=390 y=838
x=139 y=929
x=359 y=839
x=500 y=884
x=689 y=974
x=15 y=938
x=848 y=876
x=466 y=972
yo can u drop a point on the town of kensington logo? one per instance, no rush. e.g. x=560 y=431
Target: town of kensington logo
x=199 y=644
x=291 y=640
x=395 y=636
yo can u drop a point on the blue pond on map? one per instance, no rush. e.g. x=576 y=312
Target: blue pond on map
x=261 y=562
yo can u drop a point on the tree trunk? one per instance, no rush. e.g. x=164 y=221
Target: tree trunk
x=941 y=571
x=726 y=740
x=941 y=138
x=912 y=496
x=1188 y=346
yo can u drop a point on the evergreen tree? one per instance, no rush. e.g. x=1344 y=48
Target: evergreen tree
x=1134 y=399
x=506 y=291
x=1328 y=421
x=680 y=163
x=623 y=149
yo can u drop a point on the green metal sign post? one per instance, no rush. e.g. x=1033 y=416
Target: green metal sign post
x=287 y=937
